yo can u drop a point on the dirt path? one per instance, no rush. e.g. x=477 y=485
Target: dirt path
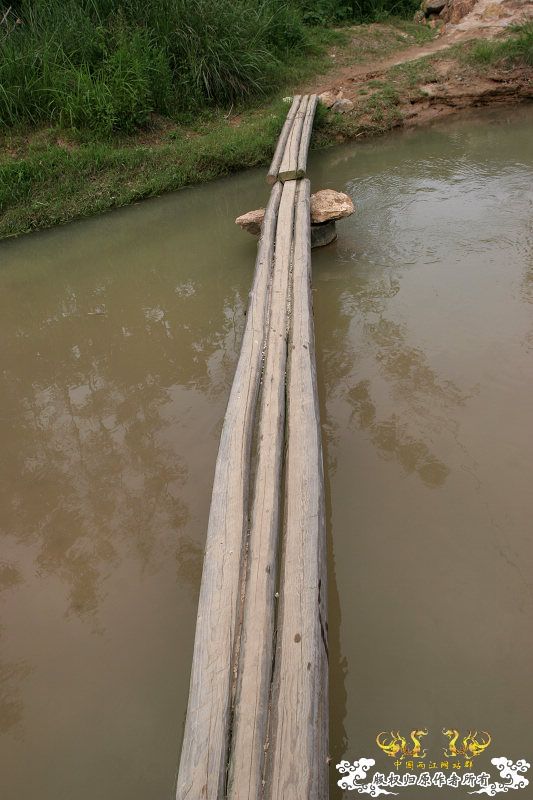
x=340 y=79
x=487 y=19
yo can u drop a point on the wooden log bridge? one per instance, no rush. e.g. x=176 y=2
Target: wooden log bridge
x=257 y=716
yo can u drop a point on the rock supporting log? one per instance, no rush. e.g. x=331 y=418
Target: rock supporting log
x=323 y=234
x=251 y=221
x=326 y=206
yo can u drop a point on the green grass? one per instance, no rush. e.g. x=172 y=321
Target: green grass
x=51 y=172
x=516 y=49
x=413 y=73
x=96 y=176
x=371 y=41
x=107 y=65
x=382 y=106
x=378 y=108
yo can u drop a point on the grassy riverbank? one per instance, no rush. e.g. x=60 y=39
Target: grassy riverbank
x=462 y=76
x=59 y=161
x=52 y=172
x=515 y=49
x=53 y=177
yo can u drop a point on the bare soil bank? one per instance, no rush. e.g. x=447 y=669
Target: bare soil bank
x=433 y=80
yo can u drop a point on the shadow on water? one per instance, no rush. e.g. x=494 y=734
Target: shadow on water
x=337 y=664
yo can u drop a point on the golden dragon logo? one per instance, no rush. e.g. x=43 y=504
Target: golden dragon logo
x=395 y=745
x=470 y=746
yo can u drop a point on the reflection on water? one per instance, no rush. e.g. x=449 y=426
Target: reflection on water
x=424 y=320
x=119 y=339
x=391 y=437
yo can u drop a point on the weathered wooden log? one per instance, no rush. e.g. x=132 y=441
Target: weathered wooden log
x=306 y=135
x=288 y=169
x=298 y=738
x=272 y=175
x=256 y=643
x=238 y=711
x=202 y=771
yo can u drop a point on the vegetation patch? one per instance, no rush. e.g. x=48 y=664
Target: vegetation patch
x=370 y=41
x=105 y=102
x=58 y=163
x=516 y=49
x=107 y=65
x=53 y=184
x=379 y=103
x=326 y=12
x=431 y=86
x=413 y=73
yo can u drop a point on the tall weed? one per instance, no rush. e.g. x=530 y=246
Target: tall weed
x=108 y=64
x=515 y=49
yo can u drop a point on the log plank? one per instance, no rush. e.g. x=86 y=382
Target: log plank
x=306 y=135
x=256 y=643
x=288 y=169
x=203 y=763
x=272 y=175
x=298 y=739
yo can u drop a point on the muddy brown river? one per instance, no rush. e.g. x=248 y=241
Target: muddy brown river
x=119 y=337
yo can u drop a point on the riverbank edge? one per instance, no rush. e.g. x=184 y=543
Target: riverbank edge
x=62 y=182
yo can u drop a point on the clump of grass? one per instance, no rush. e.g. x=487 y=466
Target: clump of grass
x=382 y=106
x=412 y=73
x=371 y=40
x=516 y=49
x=107 y=64
x=52 y=184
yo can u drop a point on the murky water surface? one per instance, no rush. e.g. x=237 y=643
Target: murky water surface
x=119 y=339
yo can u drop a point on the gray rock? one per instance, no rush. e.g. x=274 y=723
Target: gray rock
x=342 y=106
